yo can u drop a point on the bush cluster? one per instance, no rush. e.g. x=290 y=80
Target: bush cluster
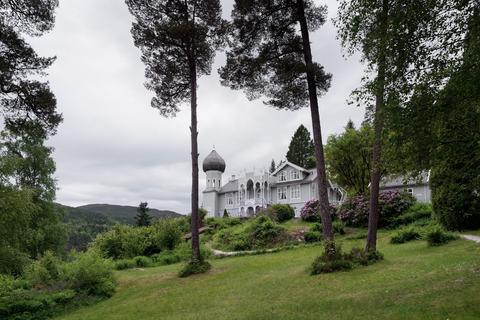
x=126 y=242
x=406 y=235
x=312 y=236
x=259 y=233
x=311 y=211
x=419 y=213
x=333 y=259
x=282 y=212
x=437 y=236
x=49 y=284
x=354 y=211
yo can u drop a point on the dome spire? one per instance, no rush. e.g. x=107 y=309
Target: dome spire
x=214 y=162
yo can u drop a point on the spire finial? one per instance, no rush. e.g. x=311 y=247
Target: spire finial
x=213 y=147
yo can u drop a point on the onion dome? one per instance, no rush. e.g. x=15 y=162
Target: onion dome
x=214 y=162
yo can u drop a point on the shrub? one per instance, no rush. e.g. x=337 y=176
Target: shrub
x=44 y=271
x=437 y=236
x=331 y=260
x=405 y=235
x=282 y=212
x=311 y=211
x=123 y=242
x=354 y=211
x=194 y=267
x=225 y=213
x=142 y=261
x=312 y=236
x=166 y=258
x=417 y=212
x=12 y=261
x=90 y=273
x=166 y=234
x=359 y=256
x=123 y=264
x=338 y=227
x=259 y=233
x=316 y=227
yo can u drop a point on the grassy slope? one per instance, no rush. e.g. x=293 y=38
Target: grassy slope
x=413 y=282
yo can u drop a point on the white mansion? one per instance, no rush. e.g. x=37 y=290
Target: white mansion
x=246 y=195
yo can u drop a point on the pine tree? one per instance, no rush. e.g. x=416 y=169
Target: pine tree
x=143 y=219
x=271 y=57
x=273 y=167
x=301 y=147
x=178 y=40
x=22 y=96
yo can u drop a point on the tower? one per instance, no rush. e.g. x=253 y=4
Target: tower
x=214 y=167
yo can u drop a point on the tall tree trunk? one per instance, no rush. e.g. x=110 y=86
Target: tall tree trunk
x=374 y=213
x=317 y=131
x=195 y=223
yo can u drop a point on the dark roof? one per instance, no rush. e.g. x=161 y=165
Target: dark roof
x=231 y=186
x=214 y=162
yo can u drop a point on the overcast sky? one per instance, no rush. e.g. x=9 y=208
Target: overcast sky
x=114 y=148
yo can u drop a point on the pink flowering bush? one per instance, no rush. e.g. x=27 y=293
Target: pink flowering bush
x=354 y=211
x=311 y=211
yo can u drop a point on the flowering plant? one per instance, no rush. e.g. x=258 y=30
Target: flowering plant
x=311 y=211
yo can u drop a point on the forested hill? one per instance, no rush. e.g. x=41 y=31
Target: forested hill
x=116 y=213
x=86 y=222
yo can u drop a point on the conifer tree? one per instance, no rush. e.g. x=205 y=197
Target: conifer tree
x=271 y=57
x=143 y=219
x=178 y=40
x=301 y=147
x=273 y=167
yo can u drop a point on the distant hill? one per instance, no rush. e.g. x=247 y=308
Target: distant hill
x=85 y=222
x=122 y=214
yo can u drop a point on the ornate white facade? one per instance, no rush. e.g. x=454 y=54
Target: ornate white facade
x=245 y=195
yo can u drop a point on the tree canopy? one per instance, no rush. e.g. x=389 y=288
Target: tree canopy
x=301 y=148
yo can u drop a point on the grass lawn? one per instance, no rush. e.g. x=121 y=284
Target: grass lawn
x=413 y=282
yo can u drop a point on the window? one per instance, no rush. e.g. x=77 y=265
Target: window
x=295 y=192
x=410 y=191
x=282 y=193
x=229 y=200
x=313 y=191
x=294 y=175
x=283 y=176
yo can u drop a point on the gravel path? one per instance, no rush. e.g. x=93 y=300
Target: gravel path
x=472 y=238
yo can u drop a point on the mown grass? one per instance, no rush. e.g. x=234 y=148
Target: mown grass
x=413 y=282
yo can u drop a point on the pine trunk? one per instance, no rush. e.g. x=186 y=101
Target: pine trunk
x=374 y=213
x=317 y=131
x=195 y=223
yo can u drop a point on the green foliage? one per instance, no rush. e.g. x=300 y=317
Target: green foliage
x=194 y=267
x=142 y=261
x=312 y=236
x=333 y=260
x=44 y=271
x=301 y=148
x=282 y=212
x=259 y=233
x=338 y=227
x=437 y=236
x=143 y=219
x=405 y=235
x=122 y=242
x=348 y=158
x=420 y=213
x=90 y=273
x=225 y=213
x=123 y=264
x=166 y=234
x=13 y=261
x=273 y=167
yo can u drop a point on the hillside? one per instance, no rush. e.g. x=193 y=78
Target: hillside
x=85 y=222
x=123 y=214
x=413 y=282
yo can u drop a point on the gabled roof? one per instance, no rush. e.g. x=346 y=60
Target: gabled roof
x=401 y=181
x=287 y=163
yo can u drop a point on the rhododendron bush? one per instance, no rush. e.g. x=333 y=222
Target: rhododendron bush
x=311 y=211
x=354 y=211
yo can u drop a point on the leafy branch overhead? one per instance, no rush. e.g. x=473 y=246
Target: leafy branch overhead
x=267 y=53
